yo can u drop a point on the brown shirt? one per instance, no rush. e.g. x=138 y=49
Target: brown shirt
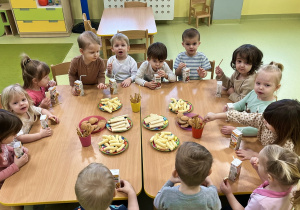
x=95 y=71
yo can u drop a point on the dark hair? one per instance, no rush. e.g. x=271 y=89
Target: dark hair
x=284 y=117
x=87 y=38
x=190 y=33
x=10 y=125
x=32 y=69
x=158 y=51
x=193 y=163
x=250 y=53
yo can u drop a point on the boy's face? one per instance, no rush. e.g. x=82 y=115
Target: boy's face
x=120 y=48
x=90 y=53
x=155 y=63
x=191 y=45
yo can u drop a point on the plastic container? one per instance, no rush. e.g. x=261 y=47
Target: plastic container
x=197 y=133
x=85 y=141
x=136 y=107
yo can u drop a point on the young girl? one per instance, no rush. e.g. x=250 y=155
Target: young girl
x=121 y=66
x=279 y=124
x=245 y=61
x=36 y=80
x=16 y=99
x=267 y=82
x=279 y=170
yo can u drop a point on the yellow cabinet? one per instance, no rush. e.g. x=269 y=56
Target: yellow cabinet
x=41 y=26
x=23 y=3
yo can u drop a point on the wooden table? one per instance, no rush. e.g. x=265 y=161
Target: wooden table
x=157 y=166
x=51 y=173
x=122 y=19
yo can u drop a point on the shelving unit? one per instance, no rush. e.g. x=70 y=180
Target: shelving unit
x=8 y=19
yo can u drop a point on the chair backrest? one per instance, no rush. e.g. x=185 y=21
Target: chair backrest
x=105 y=63
x=212 y=69
x=88 y=25
x=60 y=69
x=193 y=2
x=139 y=64
x=170 y=63
x=128 y=4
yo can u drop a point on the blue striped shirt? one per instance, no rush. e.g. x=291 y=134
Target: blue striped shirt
x=193 y=63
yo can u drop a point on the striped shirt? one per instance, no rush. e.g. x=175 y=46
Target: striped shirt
x=198 y=60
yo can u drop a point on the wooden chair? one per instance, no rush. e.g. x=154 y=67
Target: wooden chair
x=137 y=34
x=212 y=69
x=128 y=4
x=198 y=14
x=60 y=69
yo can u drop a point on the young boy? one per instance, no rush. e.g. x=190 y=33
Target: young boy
x=156 y=55
x=88 y=63
x=95 y=189
x=197 y=62
x=121 y=66
x=192 y=168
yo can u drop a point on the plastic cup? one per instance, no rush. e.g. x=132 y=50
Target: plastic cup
x=136 y=107
x=197 y=133
x=85 y=141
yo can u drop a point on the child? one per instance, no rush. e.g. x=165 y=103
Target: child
x=16 y=100
x=88 y=63
x=279 y=124
x=245 y=61
x=197 y=62
x=279 y=170
x=192 y=168
x=36 y=80
x=156 y=55
x=95 y=189
x=267 y=82
x=121 y=66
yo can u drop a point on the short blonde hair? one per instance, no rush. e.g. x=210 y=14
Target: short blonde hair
x=273 y=67
x=87 y=38
x=95 y=187
x=119 y=36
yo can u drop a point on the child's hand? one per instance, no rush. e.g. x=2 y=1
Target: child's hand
x=21 y=161
x=45 y=103
x=175 y=179
x=25 y=150
x=219 y=71
x=109 y=68
x=161 y=73
x=54 y=117
x=126 y=83
x=246 y=154
x=126 y=187
x=152 y=85
x=254 y=162
x=45 y=132
x=207 y=182
x=201 y=72
x=230 y=91
x=226 y=130
x=209 y=117
x=225 y=187
x=101 y=86
x=181 y=65
x=51 y=83
x=74 y=92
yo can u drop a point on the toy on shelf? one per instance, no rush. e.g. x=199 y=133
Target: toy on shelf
x=43 y=2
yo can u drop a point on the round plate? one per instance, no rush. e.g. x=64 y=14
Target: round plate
x=98 y=117
x=191 y=107
x=130 y=125
x=103 y=110
x=102 y=147
x=166 y=150
x=189 y=115
x=166 y=123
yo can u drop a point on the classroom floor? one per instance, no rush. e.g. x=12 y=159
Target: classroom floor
x=277 y=38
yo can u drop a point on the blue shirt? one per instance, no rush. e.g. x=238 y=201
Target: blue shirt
x=112 y=207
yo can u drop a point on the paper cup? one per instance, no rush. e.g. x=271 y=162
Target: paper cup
x=85 y=141
x=136 y=107
x=197 y=133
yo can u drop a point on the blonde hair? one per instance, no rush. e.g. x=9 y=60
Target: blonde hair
x=87 y=38
x=273 y=67
x=119 y=36
x=32 y=69
x=284 y=166
x=10 y=92
x=95 y=187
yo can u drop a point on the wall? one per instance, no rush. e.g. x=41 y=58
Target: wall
x=227 y=10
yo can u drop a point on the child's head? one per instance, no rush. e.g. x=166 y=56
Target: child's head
x=34 y=72
x=191 y=41
x=280 y=164
x=156 y=55
x=15 y=99
x=89 y=45
x=120 y=45
x=246 y=59
x=10 y=125
x=193 y=163
x=283 y=118
x=95 y=187
x=267 y=80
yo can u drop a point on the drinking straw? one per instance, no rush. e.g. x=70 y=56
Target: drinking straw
x=220 y=62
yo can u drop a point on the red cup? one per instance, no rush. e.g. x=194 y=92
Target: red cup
x=85 y=141
x=197 y=133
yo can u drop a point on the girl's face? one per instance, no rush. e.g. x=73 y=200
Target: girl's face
x=19 y=104
x=120 y=48
x=156 y=64
x=270 y=127
x=242 y=65
x=44 y=81
x=8 y=139
x=265 y=85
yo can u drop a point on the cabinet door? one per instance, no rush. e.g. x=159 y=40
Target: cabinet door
x=23 y=3
x=39 y=14
x=41 y=26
